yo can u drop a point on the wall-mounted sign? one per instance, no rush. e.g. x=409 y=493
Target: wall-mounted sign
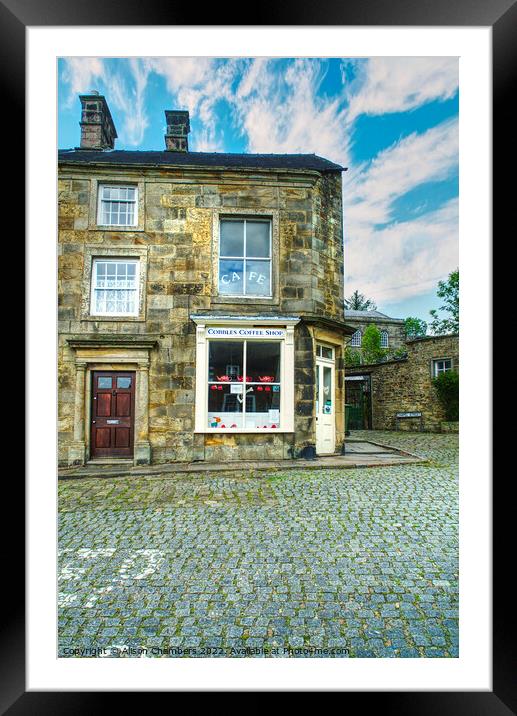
x=236 y=332
x=409 y=415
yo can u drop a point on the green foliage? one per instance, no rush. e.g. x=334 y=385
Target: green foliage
x=449 y=291
x=371 y=345
x=415 y=327
x=399 y=353
x=358 y=302
x=447 y=386
x=352 y=357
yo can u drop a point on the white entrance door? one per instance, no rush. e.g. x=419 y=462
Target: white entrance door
x=325 y=407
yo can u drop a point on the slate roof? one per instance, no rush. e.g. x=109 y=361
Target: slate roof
x=200 y=159
x=352 y=313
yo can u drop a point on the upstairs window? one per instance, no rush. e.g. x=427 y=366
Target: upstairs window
x=384 y=339
x=245 y=257
x=118 y=205
x=356 y=339
x=115 y=287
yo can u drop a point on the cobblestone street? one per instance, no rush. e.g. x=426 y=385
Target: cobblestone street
x=350 y=563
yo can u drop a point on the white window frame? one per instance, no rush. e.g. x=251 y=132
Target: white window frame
x=438 y=371
x=358 y=335
x=100 y=200
x=125 y=259
x=286 y=372
x=245 y=258
x=385 y=339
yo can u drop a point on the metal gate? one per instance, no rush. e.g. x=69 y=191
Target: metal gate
x=358 y=402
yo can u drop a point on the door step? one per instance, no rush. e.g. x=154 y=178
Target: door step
x=110 y=461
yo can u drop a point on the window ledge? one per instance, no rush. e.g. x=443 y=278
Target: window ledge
x=233 y=431
x=110 y=227
x=245 y=300
x=130 y=319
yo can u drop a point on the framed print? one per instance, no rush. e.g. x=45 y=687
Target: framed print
x=169 y=370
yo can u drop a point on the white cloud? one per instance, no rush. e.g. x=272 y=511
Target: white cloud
x=81 y=74
x=398 y=84
x=283 y=113
x=127 y=94
x=198 y=84
x=371 y=189
x=407 y=258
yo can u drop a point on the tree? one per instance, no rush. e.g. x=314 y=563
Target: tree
x=449 y=291
x=371 y=345
x=358 y=302
x=352 y=357
x=415 y=327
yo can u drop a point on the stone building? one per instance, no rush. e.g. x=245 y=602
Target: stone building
x=393 y=333
x=200 y=301
x=399 y=394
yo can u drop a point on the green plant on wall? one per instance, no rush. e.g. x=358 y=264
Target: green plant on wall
x=352 y=357
x=447 y=386
x=371 y=345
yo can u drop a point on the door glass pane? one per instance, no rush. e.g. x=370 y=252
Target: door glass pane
x=123 y=382
x=232 y=238
x=231 y=277
x=104 y=382
x=318 y=368
x=257 y=239
x=327 y=389
x=327 y=352
x=258 y=278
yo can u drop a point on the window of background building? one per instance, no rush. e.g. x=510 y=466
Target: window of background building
x=245 y=257
x=384 y=339
x=441 y=366
x=356 y=339
x=118 y=205
x=115 y=287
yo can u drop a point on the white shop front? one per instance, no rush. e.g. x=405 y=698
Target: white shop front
x=244 y=374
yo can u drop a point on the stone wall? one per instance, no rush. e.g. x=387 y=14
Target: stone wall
x=406 y=385
x=179 y=212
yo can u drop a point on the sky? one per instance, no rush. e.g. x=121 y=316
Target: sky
x=393 y=122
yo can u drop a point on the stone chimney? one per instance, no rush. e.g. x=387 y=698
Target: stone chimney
x=97 y=128
x=178 y=127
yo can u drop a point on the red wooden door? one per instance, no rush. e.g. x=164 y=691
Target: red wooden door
x=113 y=408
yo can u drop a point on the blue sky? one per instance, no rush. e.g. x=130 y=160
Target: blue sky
x=392 y=121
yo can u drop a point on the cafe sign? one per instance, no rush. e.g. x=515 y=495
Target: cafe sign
x=215 y=332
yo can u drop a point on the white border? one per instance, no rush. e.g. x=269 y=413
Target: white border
x=472 y=670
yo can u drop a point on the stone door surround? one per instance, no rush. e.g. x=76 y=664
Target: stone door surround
x=112 y=353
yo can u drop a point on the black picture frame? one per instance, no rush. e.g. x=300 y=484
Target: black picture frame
x=501 y=15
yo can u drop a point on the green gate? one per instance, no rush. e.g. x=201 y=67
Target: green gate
x=357 y=400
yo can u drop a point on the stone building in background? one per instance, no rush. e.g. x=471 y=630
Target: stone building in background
x=393 y=333
x=200 y=301
x=399 y=394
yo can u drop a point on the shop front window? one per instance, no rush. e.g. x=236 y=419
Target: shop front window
x=244 y=385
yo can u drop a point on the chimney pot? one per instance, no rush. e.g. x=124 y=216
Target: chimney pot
x=97 y=128
x=178 y=128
